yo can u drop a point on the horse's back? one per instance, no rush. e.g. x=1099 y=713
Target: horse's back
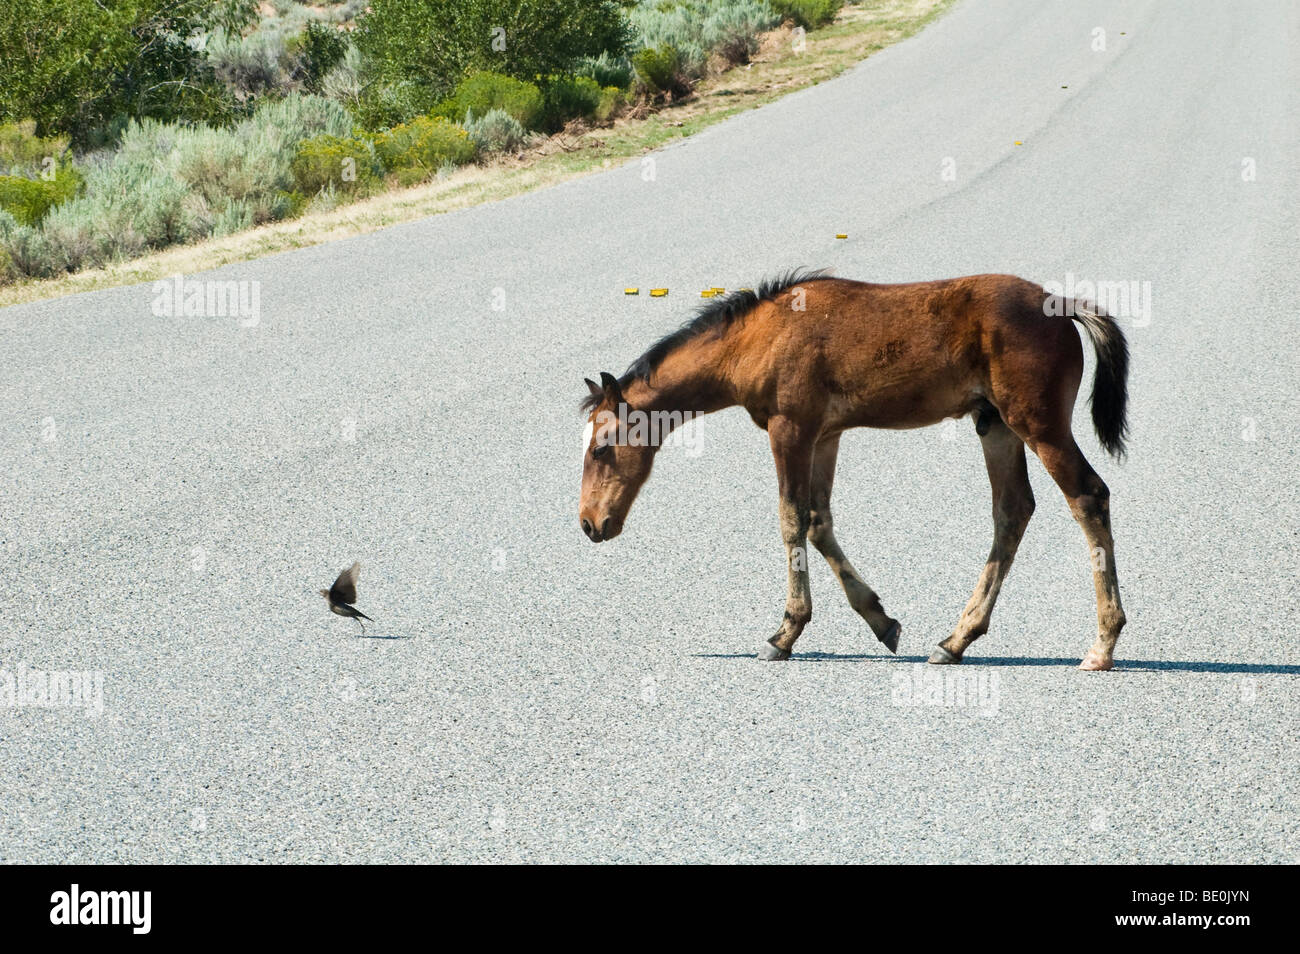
x=909 y=355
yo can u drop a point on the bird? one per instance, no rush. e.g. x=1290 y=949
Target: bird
x=343 y=594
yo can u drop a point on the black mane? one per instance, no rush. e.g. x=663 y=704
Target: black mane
x=717 y=315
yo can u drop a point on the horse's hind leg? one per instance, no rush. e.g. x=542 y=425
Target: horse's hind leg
x=1089 y=500
x=1013 y=504
x=821 y=532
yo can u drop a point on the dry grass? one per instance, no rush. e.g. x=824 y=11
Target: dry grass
x=777 y=69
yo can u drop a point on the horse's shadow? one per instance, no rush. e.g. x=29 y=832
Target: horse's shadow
x=1121 y=665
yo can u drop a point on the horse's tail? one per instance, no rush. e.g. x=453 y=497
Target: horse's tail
x=1110 y=381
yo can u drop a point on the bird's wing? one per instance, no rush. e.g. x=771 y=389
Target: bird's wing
x=344 y=589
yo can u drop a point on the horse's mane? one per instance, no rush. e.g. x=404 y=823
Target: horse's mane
x=719 y=314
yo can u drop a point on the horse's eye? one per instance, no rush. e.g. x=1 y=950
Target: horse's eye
x=598 y=449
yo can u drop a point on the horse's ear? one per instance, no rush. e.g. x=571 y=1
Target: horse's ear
x=595 y=389
x=609 y=384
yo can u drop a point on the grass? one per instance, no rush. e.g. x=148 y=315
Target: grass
x=860 y=30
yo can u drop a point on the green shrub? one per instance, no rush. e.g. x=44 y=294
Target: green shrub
x=72 y=65
x=568 y=97
x=344 y=83
x=698 y=28
x=148 y=209
x=23 y=251
x=383 y=105
x=434 y=43
x=496 y=131
x=168 y=183
x=296 y=118
x=607 y=70
x=9 y=270
x=243 y=175
x=808 y=14
x=483 y=92
x=234 y=217
x=411 y=176
x=290 y=10
x=249 y=66
x=611 y=104
x=28 y=200
x=318 y=50
x=291 y=19
x=220 y=169
x=282 y=54
x=24 y=153
x=731 y=32
x=423 y=146
x=659 y=70
x=347 y=165
x=132 y=202
x=294 y=203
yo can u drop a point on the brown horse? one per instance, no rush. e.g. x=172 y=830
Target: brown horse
x=809 y=356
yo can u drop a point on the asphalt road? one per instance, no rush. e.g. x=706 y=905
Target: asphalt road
x=176 y=490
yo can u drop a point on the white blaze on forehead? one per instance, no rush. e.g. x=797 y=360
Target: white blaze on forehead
x=587 y=432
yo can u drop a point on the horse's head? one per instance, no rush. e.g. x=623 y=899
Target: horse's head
x=613 y=467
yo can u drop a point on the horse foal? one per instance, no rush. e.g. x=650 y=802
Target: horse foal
x=809 y=356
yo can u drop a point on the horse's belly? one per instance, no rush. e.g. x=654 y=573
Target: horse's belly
x=901 y=406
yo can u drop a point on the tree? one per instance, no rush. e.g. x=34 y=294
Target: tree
x=434 y=43
x=74 y=65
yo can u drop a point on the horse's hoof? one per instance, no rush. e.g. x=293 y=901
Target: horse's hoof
x=941 y=657
x=1096 y=662
x=769 y=653
x=890 y=639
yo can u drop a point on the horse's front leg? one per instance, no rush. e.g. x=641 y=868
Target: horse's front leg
x=821 y=533
x=792 y=449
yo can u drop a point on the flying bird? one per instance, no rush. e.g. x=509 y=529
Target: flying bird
x=343 y=594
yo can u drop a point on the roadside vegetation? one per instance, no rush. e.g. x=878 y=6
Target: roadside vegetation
x=131 y=129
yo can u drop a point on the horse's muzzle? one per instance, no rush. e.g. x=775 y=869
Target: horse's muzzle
x=607 y=529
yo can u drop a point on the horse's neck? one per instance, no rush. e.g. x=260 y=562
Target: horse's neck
x=687 y=380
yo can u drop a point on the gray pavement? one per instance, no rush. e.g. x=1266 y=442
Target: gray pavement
x=176 y=490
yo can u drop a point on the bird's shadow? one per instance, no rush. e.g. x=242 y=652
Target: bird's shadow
x=369 y=636
x=1121 y=665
